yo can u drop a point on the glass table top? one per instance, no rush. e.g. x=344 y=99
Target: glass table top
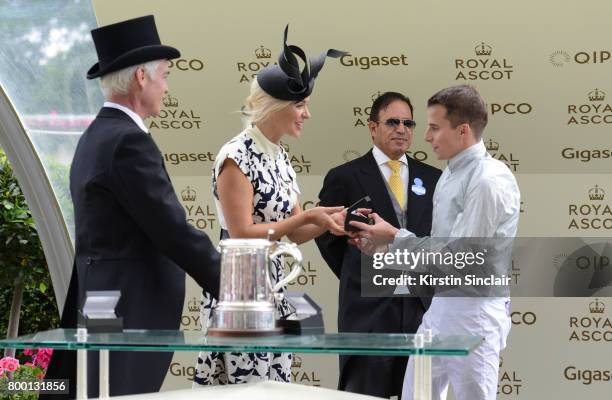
x=160 y=340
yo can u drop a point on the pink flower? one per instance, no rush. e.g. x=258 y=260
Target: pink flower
x=43 y=357
x=45 y=351
x=29 y=364
x=28 y=352
x=9 y=364
x=43 y=361
x=1 y=371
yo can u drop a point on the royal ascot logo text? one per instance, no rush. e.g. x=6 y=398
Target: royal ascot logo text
x=510 y=159
x=199 y=215
x=594 y=214
x=509 y=383
x=593 y=111
x=308 y=277
x=361 y=114
x=191 y=320
x=260 y=58
x=174 y=117
x=483 y=65
x=301 y=375
x=515 y=274
x=190 y=64
x=368 y=62
x=560 y=58
x=299 y=162
x=594 y=326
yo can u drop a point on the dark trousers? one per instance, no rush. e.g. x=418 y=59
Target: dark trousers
x=380 y=376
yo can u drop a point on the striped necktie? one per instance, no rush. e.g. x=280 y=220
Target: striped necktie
x=395 y=182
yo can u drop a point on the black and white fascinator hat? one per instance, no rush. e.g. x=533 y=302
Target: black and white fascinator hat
x=285 y=81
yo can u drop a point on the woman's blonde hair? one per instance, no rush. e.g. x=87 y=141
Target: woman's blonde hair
x=259 y=105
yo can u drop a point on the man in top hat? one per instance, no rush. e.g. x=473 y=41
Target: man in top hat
x=131 y=230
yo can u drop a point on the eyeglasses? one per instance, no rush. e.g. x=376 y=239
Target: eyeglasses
x=395 y=122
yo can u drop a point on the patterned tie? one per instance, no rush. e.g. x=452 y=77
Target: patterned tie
x=395 y=182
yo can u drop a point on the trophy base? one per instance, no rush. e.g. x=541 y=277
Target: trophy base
x=244 y=333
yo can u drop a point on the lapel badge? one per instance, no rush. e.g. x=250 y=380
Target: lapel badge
x=418 y=187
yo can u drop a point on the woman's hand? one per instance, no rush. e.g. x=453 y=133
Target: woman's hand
x=328 y=218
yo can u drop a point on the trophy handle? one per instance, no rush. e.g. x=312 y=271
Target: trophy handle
x=292 y=250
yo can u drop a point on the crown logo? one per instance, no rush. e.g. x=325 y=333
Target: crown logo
x=193 y=305
x=170 y=101
x=491 y=145
x=263 y=52
x=483 y=49
x=597 y=307
x=297 y=361
x=376 y=95
x=597 y=95
x=597 y=193
x=189 y=194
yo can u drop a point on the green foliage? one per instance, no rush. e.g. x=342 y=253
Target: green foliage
x=38 y=310
x=22 y=257
x=23 y=374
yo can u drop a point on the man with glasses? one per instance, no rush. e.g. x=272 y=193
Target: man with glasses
x=401 y=191
x=477 y=197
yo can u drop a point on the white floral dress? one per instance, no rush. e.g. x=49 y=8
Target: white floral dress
x=275 y=188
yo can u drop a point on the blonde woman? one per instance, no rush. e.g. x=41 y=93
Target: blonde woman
x=255 y=189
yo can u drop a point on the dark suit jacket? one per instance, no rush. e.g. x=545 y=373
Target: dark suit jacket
x=344 y=185
x=132 y=235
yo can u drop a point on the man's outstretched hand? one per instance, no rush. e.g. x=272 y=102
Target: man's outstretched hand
x=373 y=238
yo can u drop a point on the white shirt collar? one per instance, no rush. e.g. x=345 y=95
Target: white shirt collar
x=264 y=144
x=381 y=158
x=130 y=113
x=476 y=150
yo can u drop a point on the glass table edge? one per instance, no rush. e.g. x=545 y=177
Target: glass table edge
x=28 y=341
x=243 y=349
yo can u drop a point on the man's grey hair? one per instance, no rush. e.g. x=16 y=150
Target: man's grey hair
x=119 y=82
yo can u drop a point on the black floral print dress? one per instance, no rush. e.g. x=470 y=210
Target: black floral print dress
x=268 y=168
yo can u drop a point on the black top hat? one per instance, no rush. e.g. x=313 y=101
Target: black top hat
x=285 y=81
x=128 y=43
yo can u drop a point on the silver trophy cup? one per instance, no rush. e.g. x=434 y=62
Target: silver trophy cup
x=246 y=292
